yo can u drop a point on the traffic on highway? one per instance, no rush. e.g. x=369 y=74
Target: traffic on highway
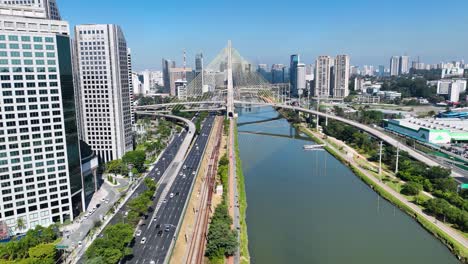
x=157 y=233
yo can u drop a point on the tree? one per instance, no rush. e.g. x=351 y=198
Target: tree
x=438 y=172
x=43 y=253
x=20 y=224
x=114 y=166
x=411 y=188
x=137 y=158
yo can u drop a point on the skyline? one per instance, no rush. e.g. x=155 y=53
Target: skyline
x=269 y=33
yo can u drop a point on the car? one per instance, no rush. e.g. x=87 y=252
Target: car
x=183 y=176
x=180 y=174
x=98 y=205
x=185 y=166
x=152 y=262
x=160 y=232
x=79 y=243
x=193 y=173
x=143 y=240
x=171 y=195
x=126 y=213
x=103 y=199
x=167 y=228
x=177 y=193
x=138 y=233
x=158 y=226
x=159 y=173
x=107 y=201
x=164 y=201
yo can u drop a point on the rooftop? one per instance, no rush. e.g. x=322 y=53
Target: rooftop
x=452 y=125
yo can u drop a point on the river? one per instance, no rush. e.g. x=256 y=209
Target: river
x=307 y=207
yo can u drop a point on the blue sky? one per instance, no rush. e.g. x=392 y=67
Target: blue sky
x=269 y=31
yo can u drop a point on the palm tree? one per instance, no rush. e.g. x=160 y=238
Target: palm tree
x=20 y=224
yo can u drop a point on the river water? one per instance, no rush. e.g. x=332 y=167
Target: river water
x=307 y=207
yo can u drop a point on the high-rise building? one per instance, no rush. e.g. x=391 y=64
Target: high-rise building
x=130 y=84
x=166 y=66
x=301 y=78
x=381 y=70
x=322 y=77
x=48 y=7
x=293 y=73
x=404 y=65
x=394 y=66
x=104 y=85
x=199 y=63
x=277 y=73
x=40 y=170
x=341 y=74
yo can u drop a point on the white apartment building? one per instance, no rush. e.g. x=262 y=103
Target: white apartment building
x=48 y=6
x=404 y=65
x=39 y=148
x=104 y=87
x=322 y=77
x=341 y=87
x=394 y=66
x=301 y=78
x=451 y=89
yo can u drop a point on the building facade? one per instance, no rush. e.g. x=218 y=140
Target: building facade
x=49 y=7
x=301 y=78
x=394 y=66
x=130 y=84
x=166 y=66
x=403 y=65
x=322 y=77
x=341 y=72
x=104 y=87
x=40 y=168
x=293 y=73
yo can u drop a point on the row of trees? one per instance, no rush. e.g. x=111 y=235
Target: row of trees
x=418 y=176
x=139 y=206
x=112 y=246
x=222 y=240
x=37 y=246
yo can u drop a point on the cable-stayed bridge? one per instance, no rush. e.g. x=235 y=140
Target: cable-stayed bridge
x=230 y=81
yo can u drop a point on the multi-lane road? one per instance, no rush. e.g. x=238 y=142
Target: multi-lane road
x=158 y=231
x=176 y=150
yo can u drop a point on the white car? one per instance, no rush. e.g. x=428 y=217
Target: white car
x=171 y=195
x=143 y=240
x=138 y=233
x=193 y=173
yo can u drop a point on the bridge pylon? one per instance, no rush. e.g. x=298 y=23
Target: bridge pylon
x=230 y=85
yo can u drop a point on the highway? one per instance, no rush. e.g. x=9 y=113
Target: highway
x=375 y=132
x=175 y=150
x=159 y=230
